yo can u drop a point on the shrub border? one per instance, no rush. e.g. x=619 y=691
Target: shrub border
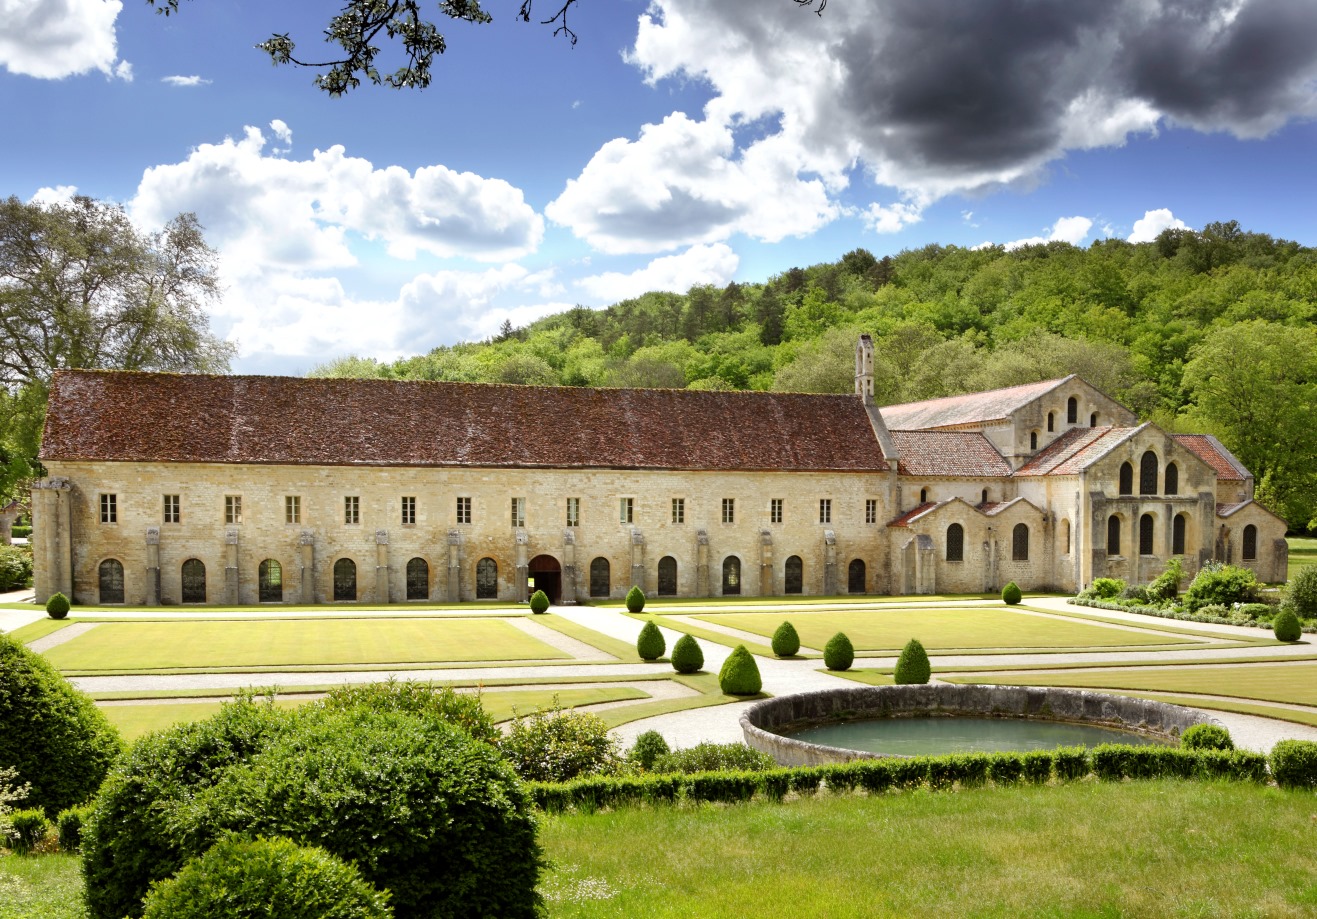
x=1173 y=613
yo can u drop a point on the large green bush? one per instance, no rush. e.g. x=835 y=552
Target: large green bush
x=713 y=757
x=557 y=745
x=425 y=700
x=28 y=829
x=913 y=666
x=266 y=877
x=15 y=567
x=648 y=747
x=839 y=653
x=539 y=602
x=58 y=740
x=57 y=607
x=739 y=675
x=1105 y=588
x=69 y=824
x=1221 y=584
x=1301 y=592
x=1206 y=737
x=1166 y=586
x=1010 y=594
x=786 y=643
x=687 y=656
x=635 y=599
x=1286 y=626
x=650 y=644
x=1294 y=763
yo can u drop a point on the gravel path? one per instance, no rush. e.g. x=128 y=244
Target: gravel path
x=54 y=639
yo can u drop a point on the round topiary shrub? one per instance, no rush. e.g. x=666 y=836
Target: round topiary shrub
x=1286 y=626
x=57 y=607
x=912 y=666
x=687 y=656
x=266 y=877
x=1011 y=593
x=786 y=642
x=1206 y=737
x=558 y=746
x=650 y=645
x=839 y=653
x=635 y=599
x=539 y=602
x=55 y=736
x=739 y=675
x=1294 y=763
x=648 y=747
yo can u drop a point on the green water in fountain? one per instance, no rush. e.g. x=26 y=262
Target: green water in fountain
x=934 y=735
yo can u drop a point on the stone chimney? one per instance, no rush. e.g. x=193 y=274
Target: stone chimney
x=864 y=368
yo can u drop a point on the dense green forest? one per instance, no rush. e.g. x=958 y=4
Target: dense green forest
x=1207 y=330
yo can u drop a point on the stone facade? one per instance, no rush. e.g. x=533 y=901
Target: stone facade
x=762 y=494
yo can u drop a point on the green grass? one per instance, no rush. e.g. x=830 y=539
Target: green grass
x=1303 y=552
x=39 y=629
x=41 y=887
x=938 y=629
x=1173 y=849
x=135 y=720
x=1292 y=683
x=294 y=642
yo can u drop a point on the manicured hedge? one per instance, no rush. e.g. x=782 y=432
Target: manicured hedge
x=69 y=822
x=1174 y=613
x=1294 y=764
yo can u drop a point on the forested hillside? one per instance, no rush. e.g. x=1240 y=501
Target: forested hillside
x=1207 y=331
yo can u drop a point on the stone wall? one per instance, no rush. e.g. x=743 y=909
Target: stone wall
x=762 y=722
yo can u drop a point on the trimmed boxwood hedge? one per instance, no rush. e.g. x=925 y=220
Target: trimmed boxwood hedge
x=786 y=642
x=650 y=644
x=1294 y=763
x=739 y=675
x=687 y=656
x=839 y=653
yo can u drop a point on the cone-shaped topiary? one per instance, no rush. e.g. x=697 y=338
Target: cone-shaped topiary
x=635 y=600
x=687 y=656
x=539 y=602
x=1286 y=626
x=1011 y=593
x=785 y=640
x=839 y=653
x=912 y=666
x=57 y=607
x=650 y=645
x=740 y=674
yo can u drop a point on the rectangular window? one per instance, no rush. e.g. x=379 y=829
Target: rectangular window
x=870 y=510
x=292 y=509
x=775 y=510
x=518 y=512
x=729 y=510
x=171 y=509
x=573 y=512
x=626 y=510
x=352 y=509
x=233 y=508
x=825 y=510
x=109 y=508
x=408 y=511
x=678 y=510
x=463 y=510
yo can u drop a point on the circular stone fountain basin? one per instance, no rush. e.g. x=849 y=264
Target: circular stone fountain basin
x=969 y=717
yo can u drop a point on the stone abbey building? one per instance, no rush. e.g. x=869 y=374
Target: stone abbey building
x=169 y=489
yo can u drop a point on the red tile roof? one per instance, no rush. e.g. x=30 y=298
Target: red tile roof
x=1225 y=510
x=948 y=453
x=971 y=408
x=1074 y=450
x=146 y=417
x=1214 y=453
x=913 y=513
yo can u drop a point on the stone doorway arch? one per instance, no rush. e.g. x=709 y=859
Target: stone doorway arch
x=546 y=575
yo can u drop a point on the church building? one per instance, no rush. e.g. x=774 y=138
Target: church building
x=193 y=489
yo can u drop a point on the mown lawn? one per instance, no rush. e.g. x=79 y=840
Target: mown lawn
x=1303 y=552
x=1164 y=849
x=1295 y=683
x=940 y=629
x=295 y=642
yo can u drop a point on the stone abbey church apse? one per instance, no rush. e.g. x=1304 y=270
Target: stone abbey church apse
x=180 y=489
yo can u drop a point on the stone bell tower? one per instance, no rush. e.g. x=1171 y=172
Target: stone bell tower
x=864 y=368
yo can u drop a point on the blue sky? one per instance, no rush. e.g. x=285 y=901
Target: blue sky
x=679 y=142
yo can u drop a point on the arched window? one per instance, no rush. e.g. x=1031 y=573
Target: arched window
x=111 y=581
x=1113 y=535
x=194 y=581
x=270 y=581
x=1126 y=479
x=1092 y=420
x=1177 y=534
x=855 y=579
x=345 y=579
x=1020 y=543
x=1051 y=422
x=1148 y=474
x=923 y=496
x=795 y=575
x=486 y=579
x=1072 y=410
x=1065 y=535
x=985 y=496
x=732 y=576
x=1172 y=479
x=600 y=577
x=1033 y=440
x=418 y=579
x=1146 y=534
x=955 y=543
x=667 y=576
x=1250 y=547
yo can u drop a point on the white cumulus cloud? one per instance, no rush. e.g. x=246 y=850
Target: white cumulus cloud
x=193 y=80
x=1073 y=230
x=1147 y=227
x=53 y=39
x=704 y=264
x=60 y=194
